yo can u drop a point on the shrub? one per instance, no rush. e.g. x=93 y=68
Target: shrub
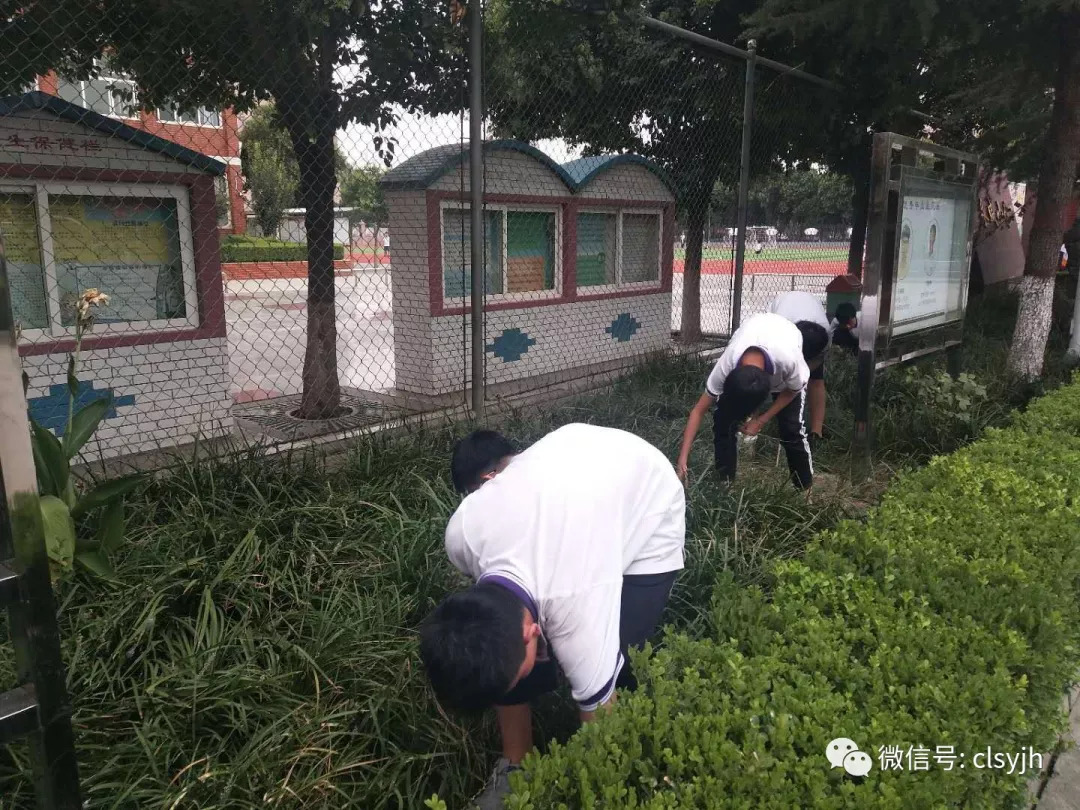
x=262 y=249
x=950 y=617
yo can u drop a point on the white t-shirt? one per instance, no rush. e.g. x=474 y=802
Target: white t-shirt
x=781 y=342
x=800 y=306
x=564 y=522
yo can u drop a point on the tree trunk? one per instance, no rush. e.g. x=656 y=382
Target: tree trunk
x=860 y=211
x=690 y=325
x=313 y=140
x=1057 y=175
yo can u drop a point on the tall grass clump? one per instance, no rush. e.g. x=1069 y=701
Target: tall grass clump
x=259 y=651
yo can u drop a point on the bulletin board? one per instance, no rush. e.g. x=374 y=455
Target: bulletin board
x=919 y=243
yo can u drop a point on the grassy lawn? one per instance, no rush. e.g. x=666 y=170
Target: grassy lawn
x=786 y=254
x=259 y=649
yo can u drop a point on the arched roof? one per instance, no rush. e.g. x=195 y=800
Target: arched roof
x=424 y=170
x=583 y=170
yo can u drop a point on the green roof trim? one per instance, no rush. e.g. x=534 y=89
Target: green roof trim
x=584 y=170
x=65 y=110
x=425 y=169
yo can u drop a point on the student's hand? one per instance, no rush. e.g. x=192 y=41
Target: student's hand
x=682 y=470
x=752 y=427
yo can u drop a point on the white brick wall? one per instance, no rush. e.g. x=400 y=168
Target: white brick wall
x=507 y=172
x=431 y=354
x=409 y=284
x=113 y=153
x=567 y=336
x=180 y=390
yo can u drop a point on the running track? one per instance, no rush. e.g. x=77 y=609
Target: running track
x=709 y=267
x=781 y=267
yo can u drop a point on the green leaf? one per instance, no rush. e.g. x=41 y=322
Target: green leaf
x=96 y=563
x=59 y=530
x=106 y=493
x=83 y=425
x=86 y=544
x=48 y=448
x=46 y=485
x=110 y=533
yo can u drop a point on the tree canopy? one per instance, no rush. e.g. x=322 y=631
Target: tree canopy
x=791 y=200
x=1004 y=80
x=359 y=187
x=268 y=164
x=608 y=85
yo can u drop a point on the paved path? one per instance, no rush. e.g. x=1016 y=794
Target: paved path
x=267 y=325
x=758 y=293
x=1062 y=790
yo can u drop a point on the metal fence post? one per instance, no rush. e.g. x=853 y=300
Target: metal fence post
x=38 y=708
x=744 y=186
x=476 y=201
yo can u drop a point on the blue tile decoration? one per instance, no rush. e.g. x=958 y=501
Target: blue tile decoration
x=51 y=411
x=623 y=327
x=511 y=345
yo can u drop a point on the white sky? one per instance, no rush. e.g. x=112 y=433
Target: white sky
x=415 y=133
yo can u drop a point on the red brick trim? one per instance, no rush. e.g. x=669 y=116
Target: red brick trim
x=204 y=237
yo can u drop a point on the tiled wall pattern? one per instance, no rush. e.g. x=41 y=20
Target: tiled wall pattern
x=164 y=394
x=529 y=342
x=626 y=182
x=431 y=354
x=506 y=173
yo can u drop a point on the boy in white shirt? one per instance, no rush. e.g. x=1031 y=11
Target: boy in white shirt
x=574 y=545
x=798 y=306
x=767 y=354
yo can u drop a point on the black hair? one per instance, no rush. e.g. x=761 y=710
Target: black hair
x=745 y=388
x=815 y=339
x=475 y=456
x=472 y=646
x=845 y=312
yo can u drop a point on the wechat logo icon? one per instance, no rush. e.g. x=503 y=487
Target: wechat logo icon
x=845 y=753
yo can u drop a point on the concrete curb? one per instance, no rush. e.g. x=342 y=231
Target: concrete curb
x=1058 y=786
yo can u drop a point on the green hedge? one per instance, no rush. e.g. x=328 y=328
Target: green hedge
x=951 y=616
x=262 y=249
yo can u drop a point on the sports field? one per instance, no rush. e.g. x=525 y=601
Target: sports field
x=802 y=258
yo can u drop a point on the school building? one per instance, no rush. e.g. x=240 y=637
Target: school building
x=214 y=133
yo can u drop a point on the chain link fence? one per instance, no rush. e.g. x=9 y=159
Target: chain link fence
x=252 y=225
x=798 y=212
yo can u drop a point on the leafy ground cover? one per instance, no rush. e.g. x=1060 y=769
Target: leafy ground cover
x=259 y=649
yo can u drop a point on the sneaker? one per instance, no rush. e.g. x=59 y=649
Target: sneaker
x=498 y=787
